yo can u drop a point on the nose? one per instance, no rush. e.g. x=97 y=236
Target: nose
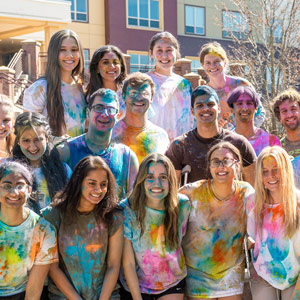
x=105 y=112
x=32 y=146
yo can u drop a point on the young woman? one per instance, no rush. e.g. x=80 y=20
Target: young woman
x=27 y=242
x=90 y=234
x=172 y=99
x=273 y=224
x=59 y=95
x=6 y=123
x=34 y=146
x=214 y=61
x=213 y=245
x=155 y=223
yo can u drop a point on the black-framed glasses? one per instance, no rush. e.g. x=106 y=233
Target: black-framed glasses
x=226 y=162
x=9 y=187
x=100 y=109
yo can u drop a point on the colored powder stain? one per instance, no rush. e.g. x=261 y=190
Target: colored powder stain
x=12 y=256
x=93 y=248
x=296 y=296
x=277 y=271
x=216 y=236
x=159 y=285
x=154 y=233
x=219 y=251
x=279 y=250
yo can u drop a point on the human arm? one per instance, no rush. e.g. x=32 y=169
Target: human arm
x=249 y=174
x=133 y=169
x=62 y=283
x=115 y=247
x=35 y=97
x=296 y=293
x=64 y=152
x=128 y=263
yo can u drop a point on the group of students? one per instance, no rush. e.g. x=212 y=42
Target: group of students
x=84 y=220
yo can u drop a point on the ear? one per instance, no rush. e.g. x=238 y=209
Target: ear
x=192 y=111
x=88 y=113
x=29 y=190
x=219 y=109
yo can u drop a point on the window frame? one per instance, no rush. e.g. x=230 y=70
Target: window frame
x=204 y=17
x=232 y=32
x=75 y=11
x=161 y=17
x=194 y=58
x=146 y=53
x=89 y=58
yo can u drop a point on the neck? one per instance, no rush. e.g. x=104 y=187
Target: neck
x=293 y=135
x=112 y=85
x=247 y=129
x=13 y=216
x=275 y=198
x=85 y=208
x=165 y=72
x=218 y=82
x=3 y=152
x=157 y=205
x=137 y=121
x=208 y=130
x=98 y=141
x=223 y=189
x=67 y=77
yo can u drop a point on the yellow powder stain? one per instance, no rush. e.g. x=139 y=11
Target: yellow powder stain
x=12 y=256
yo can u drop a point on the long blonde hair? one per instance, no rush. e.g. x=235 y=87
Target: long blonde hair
x=287 y=189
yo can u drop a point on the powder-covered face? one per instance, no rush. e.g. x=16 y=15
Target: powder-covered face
x=289 y=114
x=214 y=65
x=138 y=99
x=6 y=117
x=33 y=144
x=93 y=189
x=271 y=175
x=244 y=108
x=156 y=183
x=109 y=67
x=14 y=190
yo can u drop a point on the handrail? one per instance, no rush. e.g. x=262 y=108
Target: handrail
x=16 y=63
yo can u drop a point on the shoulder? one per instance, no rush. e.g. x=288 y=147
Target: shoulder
x=52 y=214
x=190 y=187
x=155 y=128
x=38 y=84
x=236 y=80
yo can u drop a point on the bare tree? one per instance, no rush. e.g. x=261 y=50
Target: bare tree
x=265 y=36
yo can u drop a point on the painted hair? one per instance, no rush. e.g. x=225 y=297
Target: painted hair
x=213 y=48
x=137 y=198
x=287 y=189
x=137 y=80
x=52 y=167
x=243 y=90
x=55 y=108
x=102 y=92
x=96 y=81
x=203 y=90
x=17 y=168
x=235 y=153
x=290 y=94
x=165 y=36
x=10 y=138
x=68 y=200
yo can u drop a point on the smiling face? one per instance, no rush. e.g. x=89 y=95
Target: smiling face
x=289 y=114
x=206 y=109
x=14 y=191
x=214 y=65
x=223 y=173
x=164 y=55
x=244 y=108
x=271 y=175
x=6 y=117
x=33 y=144
x=68 y=57
x=138 y=99
x=156 y=184
x=103 y=121
x=93 y=189
x=109 y=67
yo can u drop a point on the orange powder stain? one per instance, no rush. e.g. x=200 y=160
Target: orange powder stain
x=159 y=285
x=219 y=252
x=93 y=248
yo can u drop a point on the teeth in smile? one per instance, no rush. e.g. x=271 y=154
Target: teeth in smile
x=272 y=182
x=156 y=190
x=95 y=195
x=222 y=173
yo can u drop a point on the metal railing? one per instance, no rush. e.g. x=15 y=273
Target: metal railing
x=16 y=63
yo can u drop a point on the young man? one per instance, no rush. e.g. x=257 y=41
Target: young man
x=102 y=115
x=287 y=111
x=243 y=102
x=135 y=131
x=192 y=147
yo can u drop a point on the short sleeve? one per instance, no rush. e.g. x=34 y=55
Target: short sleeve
x=35 y=97
x=117 y=222
x=175 y=154
x=129 y=219
x=52 y=215
x=250 y=216
x=47 y=251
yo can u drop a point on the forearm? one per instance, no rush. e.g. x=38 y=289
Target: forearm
x=110 y=281
x=132 y=281
x=296 y=293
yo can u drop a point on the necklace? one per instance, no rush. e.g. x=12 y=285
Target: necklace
x=220 y=198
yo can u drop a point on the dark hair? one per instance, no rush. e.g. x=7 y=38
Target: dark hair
x=165 y=36
x=55 y=108
x=18 y=168
x=137 y=80
x=102 y=92
x=69 y=199
x=290 y=94
x=243 y=90
x=235 y=152
x=96 y=81
x=203 y=90
x=52 y=167
x=137 y=198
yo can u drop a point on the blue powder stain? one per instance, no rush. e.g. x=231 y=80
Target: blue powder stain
x=278 y=251
x=277 y=271
x=216 y=236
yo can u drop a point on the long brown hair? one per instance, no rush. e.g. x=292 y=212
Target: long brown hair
x=137 y=198
x=55 y=108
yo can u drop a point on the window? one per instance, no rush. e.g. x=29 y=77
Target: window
x=194 y=20
x=140 y=62
x=79 y=9
x=234 y=24
x=86 y=53
x=144 y=13
x=195 y=64
x=277 y=31
x=277 y=77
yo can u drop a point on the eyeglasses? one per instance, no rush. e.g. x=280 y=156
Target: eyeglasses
x=136 y=94
x=10 y=187
x=226 y=162
x=100 y=109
